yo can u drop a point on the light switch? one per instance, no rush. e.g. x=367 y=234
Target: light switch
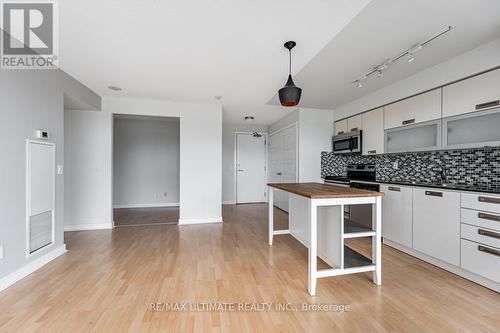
x=60 y=169
x=395 y=165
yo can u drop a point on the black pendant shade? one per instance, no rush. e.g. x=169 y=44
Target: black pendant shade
x=290 y=94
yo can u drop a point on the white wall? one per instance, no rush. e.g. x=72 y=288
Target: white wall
x=88 y=170
x=29 y=100
x=146 y=161
x=477 y=60
x=200 y=194
x=228 y=150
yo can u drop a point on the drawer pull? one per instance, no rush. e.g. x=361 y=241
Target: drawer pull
x=488 y=233
x=409 y=121
x=341 y=132
x=488 y=217
x=488 y=250
x=487 y=105
x=434 y=193
x=395 y=189
x=372 y=151
x=354 y=129
x=489 y=200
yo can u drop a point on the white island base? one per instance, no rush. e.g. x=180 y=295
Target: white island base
x=318 y=223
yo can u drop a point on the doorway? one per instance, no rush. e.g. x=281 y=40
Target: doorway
x=250 y=167
x=146 y=170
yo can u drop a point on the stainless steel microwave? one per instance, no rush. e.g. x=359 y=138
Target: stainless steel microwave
x=347 y=142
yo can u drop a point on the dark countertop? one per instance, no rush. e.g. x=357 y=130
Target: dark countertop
x=456 y=187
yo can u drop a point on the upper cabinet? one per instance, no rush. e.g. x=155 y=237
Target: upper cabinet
x=341 y=127
x=417 y=109
x=476 y=93
x=355 y=123
x=373 y=132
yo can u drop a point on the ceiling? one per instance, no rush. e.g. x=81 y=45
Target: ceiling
x=193 y=50
x=384 y=29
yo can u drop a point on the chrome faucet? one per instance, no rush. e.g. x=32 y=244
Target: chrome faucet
x=443 y=176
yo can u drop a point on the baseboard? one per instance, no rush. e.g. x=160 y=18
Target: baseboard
x=447 y=267
x=229 y=202
x=30 y=267
x=150 y=205
x=90 y=226
x=200 y=221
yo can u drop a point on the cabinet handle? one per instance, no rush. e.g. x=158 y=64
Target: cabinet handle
x=434 y=193
x=489 y=200
x=489 y=217
x=278 y=174
x=409 y=121
x=395 y=189
x=488 y=233
x=488 y=250
x=487 y=105
x=354 y=129
x=372 y=151
x=341 y=132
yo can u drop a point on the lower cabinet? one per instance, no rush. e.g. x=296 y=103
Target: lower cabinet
x=436 y=224
x=397 y=211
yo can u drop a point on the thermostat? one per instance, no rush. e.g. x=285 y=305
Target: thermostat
x=42 y=134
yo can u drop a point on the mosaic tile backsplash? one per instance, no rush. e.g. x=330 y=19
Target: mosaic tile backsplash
x=475 y=168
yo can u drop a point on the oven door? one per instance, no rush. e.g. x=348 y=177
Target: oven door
x=342 y=145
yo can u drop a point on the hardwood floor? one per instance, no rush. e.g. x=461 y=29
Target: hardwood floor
x=144 y=216
x=108 y=280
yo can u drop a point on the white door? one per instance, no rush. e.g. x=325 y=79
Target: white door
x=283 y=162
x=250 y=168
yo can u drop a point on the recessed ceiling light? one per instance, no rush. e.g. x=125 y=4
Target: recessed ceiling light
x=114 y=88
x=218 y=97
x=249 y=119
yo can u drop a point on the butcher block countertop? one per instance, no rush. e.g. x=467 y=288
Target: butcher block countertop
x=322 y=191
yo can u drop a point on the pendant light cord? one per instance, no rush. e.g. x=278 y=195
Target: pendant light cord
x=290 y=62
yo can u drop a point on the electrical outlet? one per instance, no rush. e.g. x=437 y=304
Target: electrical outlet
x=1 y=251
x=395 y=165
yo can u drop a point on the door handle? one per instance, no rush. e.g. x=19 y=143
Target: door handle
x=409 y=121
x=372 y=151
x=434 y=194
x=489 y=217
x=488 y=250
x=487 y=233
x=489 y=200
x=487 y=105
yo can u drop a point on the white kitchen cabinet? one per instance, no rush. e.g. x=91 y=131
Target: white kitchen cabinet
x=413 y=110
x=472 y=130
x=436 y=224
x=341 y=127
x=476 y=93
x=355 y=123
x=397 y=210
x=480 y=259
x=417 y=137
x=373 y=132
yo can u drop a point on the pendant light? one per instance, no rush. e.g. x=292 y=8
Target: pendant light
x=290 y=94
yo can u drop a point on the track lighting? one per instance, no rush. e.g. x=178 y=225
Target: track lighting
x=409 y=54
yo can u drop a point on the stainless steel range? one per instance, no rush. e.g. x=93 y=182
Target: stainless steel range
x=358 y=176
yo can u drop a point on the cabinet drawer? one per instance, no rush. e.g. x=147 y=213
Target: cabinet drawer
x=484 y=202
x=481 y=219
x=481 y=235
x=481 y=260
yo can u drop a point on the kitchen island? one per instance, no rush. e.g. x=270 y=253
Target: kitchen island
x=316 y=219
